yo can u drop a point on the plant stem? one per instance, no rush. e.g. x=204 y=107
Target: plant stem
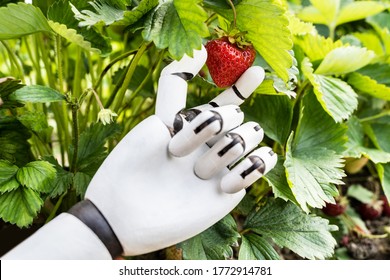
x=77 y=74
x=129 y=75
x=234 y=13
x=112 y=63
x=73 y=166
x=62 y=109
x=55 y=209
x=14 y=60
x=98 y=99
x=59 y=63
x=375 y=117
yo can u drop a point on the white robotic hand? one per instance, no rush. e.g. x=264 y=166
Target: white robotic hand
x=163 y=183
x=174 y=175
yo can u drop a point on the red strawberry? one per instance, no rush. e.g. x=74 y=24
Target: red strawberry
x=333 y=209
x=227 y=61
x=336 y=209
x=386 y=206
x=371 y=211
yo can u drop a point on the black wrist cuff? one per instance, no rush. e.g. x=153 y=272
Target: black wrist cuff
x=87 y=212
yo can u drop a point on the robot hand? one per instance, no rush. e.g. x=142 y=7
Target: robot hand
x=174 y=175
x=168 y=180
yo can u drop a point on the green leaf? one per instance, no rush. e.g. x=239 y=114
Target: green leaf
x=343 y=60
x=37 y=94
x=315 y=46
x=297 y=26
x=337 y=98
x=81 y=182
x=273 y=113
x=378 y=71
x=360 y=193
x=262 y=19
x=313 y=157
x=7 y=176
x=144 y=6
x=8 y=85
x=359 y=10
x=321 y=11
x=92 y=149
x=255 y=247
x=63 y=22
x=356 y=147
x=18 y=20
x=63 y=180
x=332 y=13
x=277 y=179
x=177 y=25
x=37 y=175
x=369 y=86
x=384 y=176
x=104 y=13
x=37 y=122
x=20 y=206
x=371 y=41
x=14 y=145
x=380 y=134
x=307 y=235
x=72 y=36
x=214 y=243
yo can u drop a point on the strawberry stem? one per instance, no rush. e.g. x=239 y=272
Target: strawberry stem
x=234 y=13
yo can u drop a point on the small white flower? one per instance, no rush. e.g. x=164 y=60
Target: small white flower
x=106 y=116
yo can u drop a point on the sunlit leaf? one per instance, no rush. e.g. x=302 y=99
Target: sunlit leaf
x=104 y=13
x=371 y=41
x=63 y=22
x=72 y=36
x=343 y=60
x=359 y=10
x=178 y=26
x=17 y=20
x=285 y=223
x=332 y=13
x=299 y=27
x=337 y=98
x=315 y=46
x=369 y=86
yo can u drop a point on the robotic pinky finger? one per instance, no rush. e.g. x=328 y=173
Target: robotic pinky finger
x=248 y=171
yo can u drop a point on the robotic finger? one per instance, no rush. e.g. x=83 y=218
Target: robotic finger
x=252 y=168
x=202 y=127
x=229 y=149
x=241 y=90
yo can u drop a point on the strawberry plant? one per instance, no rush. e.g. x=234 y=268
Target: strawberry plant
x=76 y=76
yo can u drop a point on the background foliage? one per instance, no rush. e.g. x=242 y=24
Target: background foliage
x=325 y=100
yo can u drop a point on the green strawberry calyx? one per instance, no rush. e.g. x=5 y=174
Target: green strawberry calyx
x=235 y=36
